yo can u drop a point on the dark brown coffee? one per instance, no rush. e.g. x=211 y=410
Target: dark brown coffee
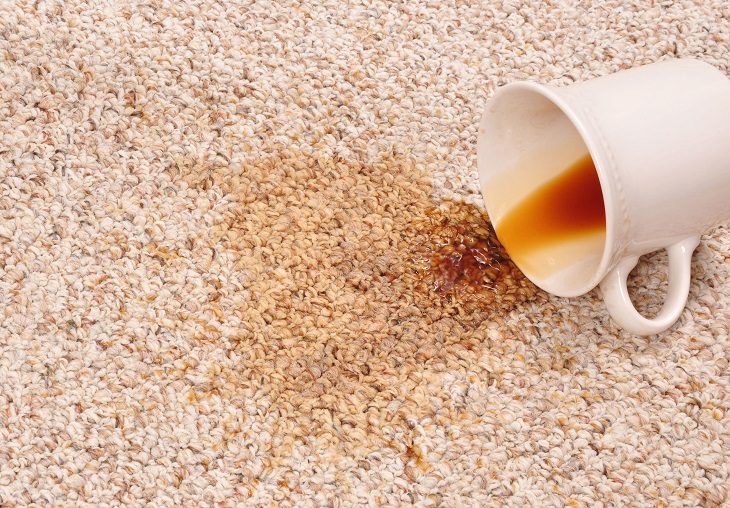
x=566 y=208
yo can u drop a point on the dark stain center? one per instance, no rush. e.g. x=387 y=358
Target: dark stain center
x=458 y=257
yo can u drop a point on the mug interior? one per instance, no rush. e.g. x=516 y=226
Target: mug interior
x=527 y=145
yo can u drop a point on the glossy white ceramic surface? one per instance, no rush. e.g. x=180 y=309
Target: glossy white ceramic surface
x=659 y=136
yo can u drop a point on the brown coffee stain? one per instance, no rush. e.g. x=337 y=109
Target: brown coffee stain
x=414 y=453
x=351 y=288
x=462 y=260
x=462 y=253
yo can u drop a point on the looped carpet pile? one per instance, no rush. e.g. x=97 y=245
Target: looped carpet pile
x=208 y=296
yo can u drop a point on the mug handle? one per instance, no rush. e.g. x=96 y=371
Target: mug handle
x=618 y=302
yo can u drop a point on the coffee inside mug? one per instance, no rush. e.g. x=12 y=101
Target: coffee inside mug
x=543 y=193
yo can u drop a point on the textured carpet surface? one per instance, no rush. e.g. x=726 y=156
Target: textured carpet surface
x=210 y=219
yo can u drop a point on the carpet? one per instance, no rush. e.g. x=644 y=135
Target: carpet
x=218 y=223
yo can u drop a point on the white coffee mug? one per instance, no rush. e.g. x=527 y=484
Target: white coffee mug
x=659 y=137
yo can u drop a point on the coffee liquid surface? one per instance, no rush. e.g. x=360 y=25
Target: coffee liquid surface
x=565 y=209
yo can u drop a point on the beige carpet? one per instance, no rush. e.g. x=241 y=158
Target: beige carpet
x=215 y=221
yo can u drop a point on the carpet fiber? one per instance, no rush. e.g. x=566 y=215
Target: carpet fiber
x=216 y=224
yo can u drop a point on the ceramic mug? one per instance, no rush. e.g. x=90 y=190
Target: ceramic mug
x=659 y=139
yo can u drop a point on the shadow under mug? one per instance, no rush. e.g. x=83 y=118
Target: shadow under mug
x=659 y=139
